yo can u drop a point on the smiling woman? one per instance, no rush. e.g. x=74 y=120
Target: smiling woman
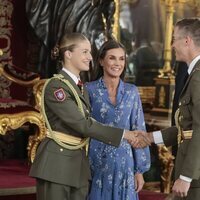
x=116 y=172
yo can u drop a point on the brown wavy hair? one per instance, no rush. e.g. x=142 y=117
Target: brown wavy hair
x=110 y=44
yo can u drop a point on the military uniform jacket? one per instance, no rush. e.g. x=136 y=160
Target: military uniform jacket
x=188 y=155
x=55 y=163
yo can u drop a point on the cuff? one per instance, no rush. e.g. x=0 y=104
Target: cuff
x=157 y=136
x=185 y=178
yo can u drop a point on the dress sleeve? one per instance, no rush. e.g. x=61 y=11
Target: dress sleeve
x=141 y=156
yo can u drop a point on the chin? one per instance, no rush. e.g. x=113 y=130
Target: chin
x=85 y=68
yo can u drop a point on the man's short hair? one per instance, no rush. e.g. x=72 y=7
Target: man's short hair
x=191 y=27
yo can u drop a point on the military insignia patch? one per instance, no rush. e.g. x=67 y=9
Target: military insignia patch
x=60 y=94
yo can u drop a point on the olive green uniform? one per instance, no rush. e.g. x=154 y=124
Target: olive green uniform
x=188 y=155
x=64 y=173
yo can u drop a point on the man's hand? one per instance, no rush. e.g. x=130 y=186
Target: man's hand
x=180 y=188
x=139 y=182
x=137 y=139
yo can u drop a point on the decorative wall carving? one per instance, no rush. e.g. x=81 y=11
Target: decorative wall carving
x=6 y=10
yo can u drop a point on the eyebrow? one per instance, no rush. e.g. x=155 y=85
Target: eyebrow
x=85 y=49
x=115 y=55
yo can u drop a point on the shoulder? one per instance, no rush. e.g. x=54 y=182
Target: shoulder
x=130 y=87
x=54 y=83
x=92 y=84
x=56 y=91
x=57 y=88
x=195 y=77
x=196 y=70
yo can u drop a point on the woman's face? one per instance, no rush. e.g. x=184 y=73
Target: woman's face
x=113 y=63
x=80 y=58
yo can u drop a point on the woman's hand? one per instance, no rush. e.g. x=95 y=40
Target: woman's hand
x=139 y=182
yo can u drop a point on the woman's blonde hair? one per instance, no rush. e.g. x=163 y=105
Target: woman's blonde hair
x=67 y=42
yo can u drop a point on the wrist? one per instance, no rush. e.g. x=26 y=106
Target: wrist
x=127 y=135
x=151 y=137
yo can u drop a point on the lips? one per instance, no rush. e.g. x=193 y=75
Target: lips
x=87 y=62
x=116 y=69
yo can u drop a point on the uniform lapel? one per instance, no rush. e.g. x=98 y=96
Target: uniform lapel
x=66 y=76
x=197 y=65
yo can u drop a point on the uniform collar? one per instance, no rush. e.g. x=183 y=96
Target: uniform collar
x=192 y=64
x=73 y=76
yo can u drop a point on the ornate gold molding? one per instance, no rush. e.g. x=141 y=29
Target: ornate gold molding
x=16 y=80
x=6 y=12
x=116 y=26
x=14 y=121
x=167 y=70
x=167 y=165
x=116 y=32
x=37 y=91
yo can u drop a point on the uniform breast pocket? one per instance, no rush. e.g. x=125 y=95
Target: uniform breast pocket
x=185 y=107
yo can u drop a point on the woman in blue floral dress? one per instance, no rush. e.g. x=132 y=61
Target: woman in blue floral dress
x=116 y=172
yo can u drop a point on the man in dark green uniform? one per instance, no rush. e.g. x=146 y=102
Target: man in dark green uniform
x=186 y=43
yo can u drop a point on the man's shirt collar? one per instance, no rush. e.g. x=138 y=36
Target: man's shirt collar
x=192 y=64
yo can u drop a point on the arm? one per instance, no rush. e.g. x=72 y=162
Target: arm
x=69 y=118
x=141 y=155
x=72 y=121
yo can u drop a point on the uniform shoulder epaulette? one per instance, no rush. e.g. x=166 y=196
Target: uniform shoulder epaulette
x=59 y=76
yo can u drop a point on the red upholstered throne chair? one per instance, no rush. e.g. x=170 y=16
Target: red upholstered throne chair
x=18 y=103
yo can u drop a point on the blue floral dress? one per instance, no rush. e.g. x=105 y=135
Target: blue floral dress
x=113 y=168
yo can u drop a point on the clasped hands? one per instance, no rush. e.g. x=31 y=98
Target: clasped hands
x=138 y=138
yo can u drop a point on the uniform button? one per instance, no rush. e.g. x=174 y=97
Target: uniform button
x=61 y=149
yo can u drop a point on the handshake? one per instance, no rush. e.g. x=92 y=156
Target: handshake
x=139 y=139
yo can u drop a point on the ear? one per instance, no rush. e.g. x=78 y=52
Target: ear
x=68 y=54
x=188 y=40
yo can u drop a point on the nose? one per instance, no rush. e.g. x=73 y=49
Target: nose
x=117 y=62
x=90 y=56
